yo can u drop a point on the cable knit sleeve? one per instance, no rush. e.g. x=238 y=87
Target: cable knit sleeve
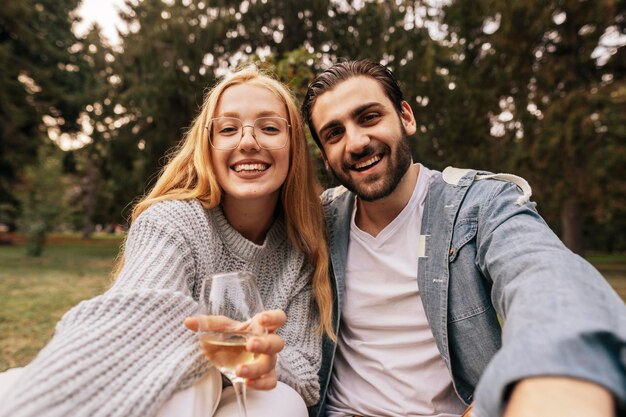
x=123 y=353
x=300 y=360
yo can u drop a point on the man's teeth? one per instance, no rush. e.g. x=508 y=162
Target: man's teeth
x=370 y=161
x=250 y=167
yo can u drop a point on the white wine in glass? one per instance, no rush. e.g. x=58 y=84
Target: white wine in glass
x=228 y=304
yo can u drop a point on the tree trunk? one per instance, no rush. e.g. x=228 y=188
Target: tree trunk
x=571 y=224
x=92 y=179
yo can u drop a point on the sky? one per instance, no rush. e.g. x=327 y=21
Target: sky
x=104 y=12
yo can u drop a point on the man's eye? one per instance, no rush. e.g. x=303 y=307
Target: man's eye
x=333 y=135
x=370 y=117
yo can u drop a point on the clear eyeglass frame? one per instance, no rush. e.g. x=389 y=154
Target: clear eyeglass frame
x=264 y=140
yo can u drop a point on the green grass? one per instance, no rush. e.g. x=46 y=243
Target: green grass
x=35 y=292
x=613 y=267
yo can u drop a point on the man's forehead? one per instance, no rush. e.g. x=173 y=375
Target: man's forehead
x=346 y=96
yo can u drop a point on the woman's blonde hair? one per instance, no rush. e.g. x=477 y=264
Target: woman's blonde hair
x=189 y=175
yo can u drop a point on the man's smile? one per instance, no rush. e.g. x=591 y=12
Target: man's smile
x=363 y=165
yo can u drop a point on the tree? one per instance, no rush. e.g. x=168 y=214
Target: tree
x=39 y=77
x=558 y=105
x=159 y=81
x=42 y=198
x=490 y=83
x=176 y=49
x=99 y=121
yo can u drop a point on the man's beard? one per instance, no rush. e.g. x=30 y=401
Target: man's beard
x=398 y=164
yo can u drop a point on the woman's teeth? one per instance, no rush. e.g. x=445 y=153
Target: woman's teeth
x=250 y=167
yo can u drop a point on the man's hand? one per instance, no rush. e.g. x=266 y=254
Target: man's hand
x=559 y=396
x=261 y=373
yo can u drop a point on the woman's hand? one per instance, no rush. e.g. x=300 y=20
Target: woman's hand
x=261 y=373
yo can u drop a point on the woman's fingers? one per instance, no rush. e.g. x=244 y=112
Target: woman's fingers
x=261 y=373
x=191 y=323
x=267 y=348
x=212 y=324
x=269 y=344
x=265 y=382
x=272 y=319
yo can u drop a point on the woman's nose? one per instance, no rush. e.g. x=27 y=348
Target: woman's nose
x=248 y=141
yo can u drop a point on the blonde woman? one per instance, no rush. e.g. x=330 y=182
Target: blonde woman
x=238 y=194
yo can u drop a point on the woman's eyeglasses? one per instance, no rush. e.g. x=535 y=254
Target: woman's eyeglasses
x=269 y=132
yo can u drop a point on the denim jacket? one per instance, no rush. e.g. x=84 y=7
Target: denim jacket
x=490 y=259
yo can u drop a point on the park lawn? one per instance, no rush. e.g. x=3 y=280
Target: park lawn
x=613 y=267
x=36 y=292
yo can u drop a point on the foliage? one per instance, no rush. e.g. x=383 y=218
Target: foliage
x=514 y=86
x=41 y=196
x=92 y=162
x=563 y=129
x=38 y=77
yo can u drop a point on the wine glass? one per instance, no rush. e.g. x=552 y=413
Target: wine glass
x=228 y=303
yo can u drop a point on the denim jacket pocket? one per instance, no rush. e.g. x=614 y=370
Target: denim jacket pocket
x=468 y=293
x=464 y=232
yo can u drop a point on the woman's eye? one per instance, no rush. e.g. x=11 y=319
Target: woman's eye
x=270 y=130
x=228 y=130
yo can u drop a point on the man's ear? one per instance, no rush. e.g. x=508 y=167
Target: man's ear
x=407 y=118
x=323 y=155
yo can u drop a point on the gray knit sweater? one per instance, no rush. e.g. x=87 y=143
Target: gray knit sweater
x=124 y=353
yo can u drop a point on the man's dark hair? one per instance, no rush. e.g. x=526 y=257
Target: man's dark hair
x=342 y=71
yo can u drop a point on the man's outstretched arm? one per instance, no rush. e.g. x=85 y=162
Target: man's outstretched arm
x=559 y=396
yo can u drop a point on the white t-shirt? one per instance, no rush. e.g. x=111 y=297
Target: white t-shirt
x=387 y=363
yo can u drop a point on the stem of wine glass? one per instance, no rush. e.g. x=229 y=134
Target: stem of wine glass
x=240 y=394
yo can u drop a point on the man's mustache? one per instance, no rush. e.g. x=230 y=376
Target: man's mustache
x=356 y=157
